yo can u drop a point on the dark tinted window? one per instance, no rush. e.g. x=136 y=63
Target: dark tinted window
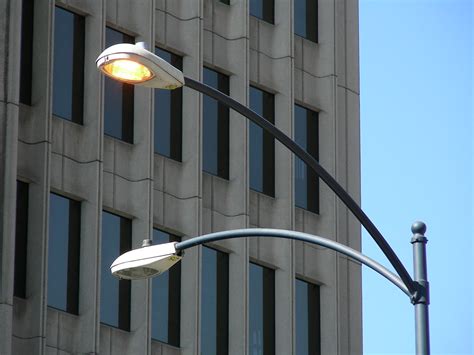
x=26 y=61
x=68 y=76
x=166 y=298
x=214 y=302
x=114 y=293
x=263 y=9
x=216 y=127
x=21 y=239
x=262 y=146
x=308 y=337
x=63 y=253
x=261 y=310
x=169 y=114
x=306 y=19
x=118 y=105
x=306 y=181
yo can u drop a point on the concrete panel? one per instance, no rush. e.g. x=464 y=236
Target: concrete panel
x=52 y=329
x=181 y=215
x=105 y=339
x=230 y=22
x=69 y=333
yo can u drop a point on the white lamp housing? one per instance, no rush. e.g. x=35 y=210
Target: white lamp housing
x=145 y=262
x=163 y=74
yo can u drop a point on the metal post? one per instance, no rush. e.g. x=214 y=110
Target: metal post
x=421 y=300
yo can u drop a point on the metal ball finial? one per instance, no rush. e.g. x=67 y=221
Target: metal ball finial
x=418 y=227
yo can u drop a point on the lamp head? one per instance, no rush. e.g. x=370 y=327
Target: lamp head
x=145 y=262
x=134 y=64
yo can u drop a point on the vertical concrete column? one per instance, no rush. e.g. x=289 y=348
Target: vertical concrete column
x=225 y=202
x=178 y=185
x=34 y=156
x=128 y=175
x=348 y=171
x=76 y=169
x=10 y=18
x=272 y=68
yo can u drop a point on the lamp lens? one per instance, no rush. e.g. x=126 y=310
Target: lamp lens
x=127 y=70
x=137 y=272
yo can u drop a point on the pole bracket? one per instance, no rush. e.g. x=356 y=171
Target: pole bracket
x=422 y=293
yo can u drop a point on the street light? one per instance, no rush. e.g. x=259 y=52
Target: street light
x=134 y=64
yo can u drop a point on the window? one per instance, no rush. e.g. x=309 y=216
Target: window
x=261 y=310
x=216 y=127
x=214 y=302
x=307 y=307
x=63 y=253
x=169 y=113
x=26 y=61
x=166 y=298
x=306 y=181
x=262 y=144
x=114 y=293
x=68 y=74
x=21 y=239
x=306 y=19
x=118 y=106
x=263 y=9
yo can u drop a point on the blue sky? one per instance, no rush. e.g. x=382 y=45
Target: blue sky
x=417 y=157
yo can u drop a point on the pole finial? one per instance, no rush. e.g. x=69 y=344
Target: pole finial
x=418 y=227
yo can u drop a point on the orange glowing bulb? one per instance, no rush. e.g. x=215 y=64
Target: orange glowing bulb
x=127 y=70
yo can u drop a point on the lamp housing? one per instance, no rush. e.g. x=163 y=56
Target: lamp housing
x=145 y=262
x=136 y=65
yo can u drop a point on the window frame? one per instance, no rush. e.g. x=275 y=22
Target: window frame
x=78 y=70
x=127 y=98
x=176 y=113
x=314 y=324
x=124 y=286
x=268 y=144
x=174 y=299
x=311 y=23
x=26 y=50
x=269 y=310
x=312 y=147
x=222 y=299
x=223 y=126
x=268 y=11
x=73 y=254
x=21 y=239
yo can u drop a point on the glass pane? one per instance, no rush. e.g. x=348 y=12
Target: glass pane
x=21 y=239
x=256 y=8
x=115 y=293
x=215 y=126
x=302 y=314
x=301 y=191
x=214 y=302
x=168 y=114
x=261 y=310
x=300 y=17
x=166 y=298
x=208 y=302
x=26 y=61
x=118 y=105
x=307 y=318
x=68 y=65
x=58 y=251
x=256 y=142
x=261 y=145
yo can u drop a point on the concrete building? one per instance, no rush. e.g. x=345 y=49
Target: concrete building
x=70 y=173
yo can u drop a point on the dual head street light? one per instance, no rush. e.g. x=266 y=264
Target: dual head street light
x=134 y=64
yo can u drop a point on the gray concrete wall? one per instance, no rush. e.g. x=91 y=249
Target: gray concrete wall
x=52 y=154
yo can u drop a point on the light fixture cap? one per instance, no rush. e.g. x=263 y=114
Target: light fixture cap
x=163 y=74
x=145 y=262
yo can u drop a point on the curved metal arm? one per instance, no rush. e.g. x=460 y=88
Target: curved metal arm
x=317 y=168
x=313 y=239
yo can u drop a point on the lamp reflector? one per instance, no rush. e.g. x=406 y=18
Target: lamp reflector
x=127 y=70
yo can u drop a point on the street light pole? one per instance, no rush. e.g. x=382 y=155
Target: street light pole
x=136 y=65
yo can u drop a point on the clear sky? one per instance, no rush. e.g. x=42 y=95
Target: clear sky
x=416 y=68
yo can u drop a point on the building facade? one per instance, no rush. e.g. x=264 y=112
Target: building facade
x=90 y=168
